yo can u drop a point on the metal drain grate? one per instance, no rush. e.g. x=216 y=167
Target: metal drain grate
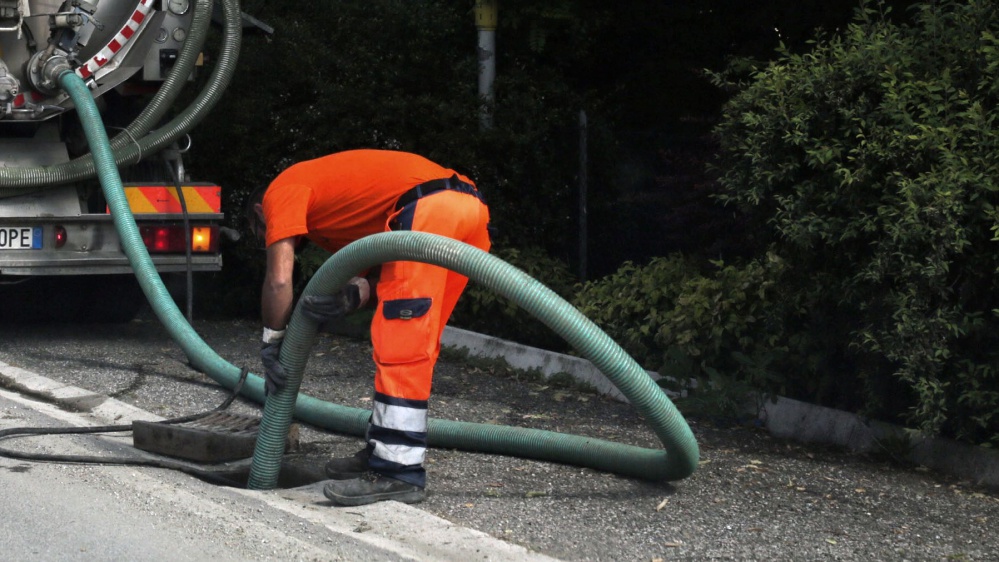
x=218 y=437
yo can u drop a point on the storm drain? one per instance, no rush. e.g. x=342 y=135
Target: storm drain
x=217 y=437
x=222 y=443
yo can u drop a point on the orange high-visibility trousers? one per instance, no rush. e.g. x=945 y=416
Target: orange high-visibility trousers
x=415 y=302
x=406 y=346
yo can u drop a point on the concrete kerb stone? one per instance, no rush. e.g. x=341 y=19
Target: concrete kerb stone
x=71 y=397
x=529 y=358
x=783 y=417
x=808 y=423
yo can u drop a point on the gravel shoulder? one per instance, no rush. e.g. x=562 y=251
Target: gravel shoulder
x=753 y=497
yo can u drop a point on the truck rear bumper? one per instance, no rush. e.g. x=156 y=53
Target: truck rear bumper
x=91 y=246
x=95 y=263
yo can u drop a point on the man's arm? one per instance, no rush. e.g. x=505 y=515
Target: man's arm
x=277 y=294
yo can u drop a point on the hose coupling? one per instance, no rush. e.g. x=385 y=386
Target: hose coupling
x=44 y=72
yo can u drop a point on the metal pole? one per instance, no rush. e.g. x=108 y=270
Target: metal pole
x=582 y=195
x=485 y=21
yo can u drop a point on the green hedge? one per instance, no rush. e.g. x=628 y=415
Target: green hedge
x=874 y=160
x=716 y=323
x=870 y=164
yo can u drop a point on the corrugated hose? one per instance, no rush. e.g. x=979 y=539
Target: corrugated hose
x=677 y=460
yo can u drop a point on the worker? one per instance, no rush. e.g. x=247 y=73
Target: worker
x=333 y=201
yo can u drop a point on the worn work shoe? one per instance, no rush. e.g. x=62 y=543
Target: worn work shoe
x=370 y=488
x=346 y=468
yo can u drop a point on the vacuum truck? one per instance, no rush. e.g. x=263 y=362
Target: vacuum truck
x=60 y=256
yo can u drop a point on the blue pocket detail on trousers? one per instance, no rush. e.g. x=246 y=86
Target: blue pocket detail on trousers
x=406 y=309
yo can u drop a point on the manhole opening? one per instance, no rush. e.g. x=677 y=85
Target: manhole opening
x=292 y=474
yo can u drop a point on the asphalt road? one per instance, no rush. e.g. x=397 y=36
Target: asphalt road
x=753 y=497
x=92 y=512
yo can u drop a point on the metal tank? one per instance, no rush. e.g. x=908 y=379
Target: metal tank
x=110 y=40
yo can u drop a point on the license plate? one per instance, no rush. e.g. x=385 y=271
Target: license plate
x=20 y=237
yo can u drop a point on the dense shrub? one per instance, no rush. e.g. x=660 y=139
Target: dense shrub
x=401 y=75
x=715 y=323
x=873 y=158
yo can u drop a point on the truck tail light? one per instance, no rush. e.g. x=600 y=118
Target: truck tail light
x=169 y=239
x=60 y=237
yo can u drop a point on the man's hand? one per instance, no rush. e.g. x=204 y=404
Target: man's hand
x=323 y=308
x=274 y=375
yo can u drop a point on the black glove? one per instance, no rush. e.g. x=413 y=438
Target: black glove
x=322 y=308
x=274 y=375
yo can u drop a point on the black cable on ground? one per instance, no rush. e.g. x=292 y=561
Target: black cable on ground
x=205 y=475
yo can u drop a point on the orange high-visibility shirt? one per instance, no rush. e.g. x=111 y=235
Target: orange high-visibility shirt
x=337 y=199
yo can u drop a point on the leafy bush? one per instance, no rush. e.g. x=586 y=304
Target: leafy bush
x=726 y=323
x=717 y=325
x=336 y=82
x=873 y=158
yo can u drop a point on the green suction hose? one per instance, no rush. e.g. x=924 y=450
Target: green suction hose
x=677 y=461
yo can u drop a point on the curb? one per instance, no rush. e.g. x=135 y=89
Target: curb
x=783 y=418
x=528 y=358
x=104 y=408
x=791 y=419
